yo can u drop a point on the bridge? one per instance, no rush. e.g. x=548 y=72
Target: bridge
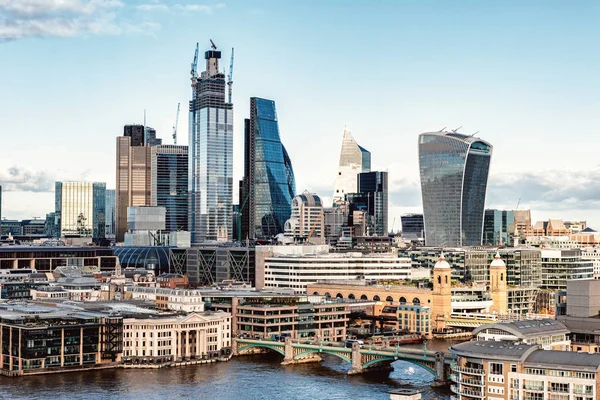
x=360 y=358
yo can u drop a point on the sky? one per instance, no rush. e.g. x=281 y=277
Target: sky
x=524 y=74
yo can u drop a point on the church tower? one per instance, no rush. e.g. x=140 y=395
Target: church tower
x=441 y=298
x=498 y=286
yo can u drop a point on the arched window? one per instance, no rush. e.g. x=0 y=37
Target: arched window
x=501 y=277
x=439 y=279
x=389 y=298
x=402 y=300
x=376 y=298
x=446 y=278
x=364 y=297
x=416 y=301
x=339 y=296
x=316 y=293
x=327 y=295
x=351 y=296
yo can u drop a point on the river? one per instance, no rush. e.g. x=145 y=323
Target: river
x=253 y=377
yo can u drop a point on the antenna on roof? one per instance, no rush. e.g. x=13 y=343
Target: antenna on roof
x=212 y=44
x=474 y=134
x=442 y=130
x=454 y=130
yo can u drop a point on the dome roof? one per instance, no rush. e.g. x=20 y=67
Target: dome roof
x=442 y=263
x=498 y=263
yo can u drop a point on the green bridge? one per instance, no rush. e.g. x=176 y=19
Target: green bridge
x=360 y=358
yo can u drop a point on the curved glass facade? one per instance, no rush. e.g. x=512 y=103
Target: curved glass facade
x=454 y=171
x=270 y=175
x=155 y=258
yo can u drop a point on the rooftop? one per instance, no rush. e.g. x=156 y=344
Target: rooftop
x=527 y=329
x=493 y=349
x=563 y=360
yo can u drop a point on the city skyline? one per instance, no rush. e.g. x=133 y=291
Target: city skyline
x=523 y=76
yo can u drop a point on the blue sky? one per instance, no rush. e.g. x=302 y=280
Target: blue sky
x=522 y=73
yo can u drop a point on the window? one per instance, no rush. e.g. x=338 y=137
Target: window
x=495 y=368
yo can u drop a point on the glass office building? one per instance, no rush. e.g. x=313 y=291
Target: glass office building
x=498 y=227
x=80 y=209
x=454 y=172
x=412 y=226
x=268 y=185
x=354 y=159
x=210 y=177
x=170 y=184
x=372 y=197
x=111 y=221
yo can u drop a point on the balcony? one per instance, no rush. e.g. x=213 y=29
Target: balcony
x=467 y=392
x=467 y=370
x=467 y=381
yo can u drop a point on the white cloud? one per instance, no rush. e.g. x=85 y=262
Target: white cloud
x=60 y=18
x=194 y=7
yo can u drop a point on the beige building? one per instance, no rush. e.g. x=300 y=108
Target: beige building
x=173 y=338
x=306 y=224
x=546 y=333
x=511 y=371
x=185 y=300
x=134 y=175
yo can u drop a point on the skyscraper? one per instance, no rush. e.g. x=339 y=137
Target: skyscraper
x=454 y=172
x=110 y=213
x=80 y=209
x=133 y=183
x=268 y=186
x=0 y=202
x=354 y=159
x=498 y=227
x=372 y=198
x=210 y=179
x=170 y=184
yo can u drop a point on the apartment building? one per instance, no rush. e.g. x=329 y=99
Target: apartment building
x=514 y=371
x=547 y=333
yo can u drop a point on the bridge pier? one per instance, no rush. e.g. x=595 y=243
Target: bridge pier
x=357 y=365
x=440 y=370
x=288 y=357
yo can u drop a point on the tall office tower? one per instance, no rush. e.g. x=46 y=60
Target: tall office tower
x=110 y=213
x=0 y=202
x=80 y=209
x=268 y=185
x=353 y=160
x=372 y=198
x=498 y=227
x=210 y=179
x=454 y=173
x=170 y=184
x=150 y=137
x=133 y=184
x=412 y=226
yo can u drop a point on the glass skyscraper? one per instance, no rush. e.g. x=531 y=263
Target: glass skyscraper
x=354 y=159
x=111 y=221
x=268 y=187
x=170 y=184
x=372 y=197
x=210 y=179
x=454 y=172
x=80 y=209
x=498 y=227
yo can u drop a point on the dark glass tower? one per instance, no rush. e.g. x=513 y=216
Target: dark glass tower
x=372 y=197
x=170 y=184
x=498 y=227
x=268 y=186
x=454 y=172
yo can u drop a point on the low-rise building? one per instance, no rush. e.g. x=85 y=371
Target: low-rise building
x=547 y=333
x=507 y=370
x=185 y=300
x=405 y=317
x=159 y=339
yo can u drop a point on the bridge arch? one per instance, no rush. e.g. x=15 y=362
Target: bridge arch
x=428 y=368
x=264 y=345
x=316 y=351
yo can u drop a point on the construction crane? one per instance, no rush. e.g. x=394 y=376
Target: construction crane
x=312 y=230
x=518 y=203
x=194 y=68
x=176 y=124
x=230 y=77
x=213 y=45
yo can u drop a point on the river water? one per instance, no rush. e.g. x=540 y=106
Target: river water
x=252 y=377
